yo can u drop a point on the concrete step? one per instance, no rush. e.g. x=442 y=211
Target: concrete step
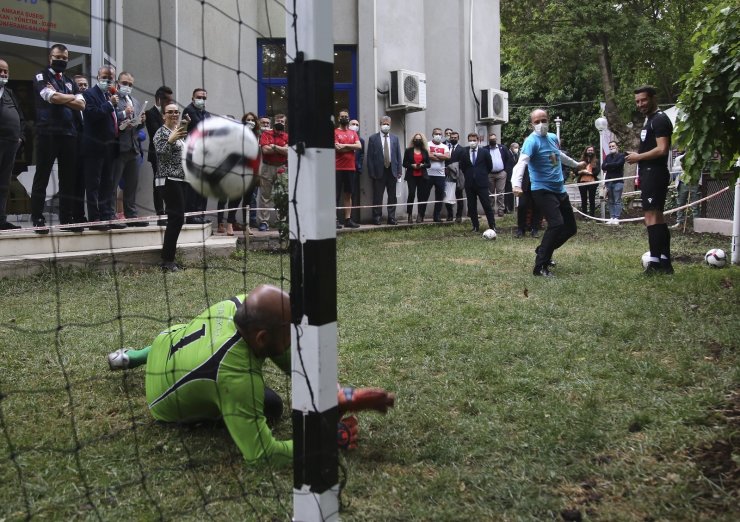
x=19 y=243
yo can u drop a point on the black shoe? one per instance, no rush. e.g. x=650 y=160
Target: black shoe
x=348 y=223
x=666 y=266
x=542 y=271
x=534 y=233
x=449 y=218
x=392 y=222
x=195 y=220
x=519 y=233
x=437 y=220
x=77 y=230
x=376 y=221
x=117 y=226
x=458 y=220
x=138 y=224
x=100 y=228
x=411 y=219
x=170 y=267
x=338 y=225
x=475 y=229
x=8 y=226
x=40 y=223
x=161 y=222
x=419 y=218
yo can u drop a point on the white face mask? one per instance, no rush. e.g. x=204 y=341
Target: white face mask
x=437 y=138
x=385 y=128
x=355 y=128
x=3 y=81
x=613 y=150
x=199 y=103
x=103 y=84
x=541 y=129
x=473 y=144
x=125 y=90
x=250 y=124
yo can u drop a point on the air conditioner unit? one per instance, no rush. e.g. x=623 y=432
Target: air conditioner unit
x=494 y=106
x=408 y=90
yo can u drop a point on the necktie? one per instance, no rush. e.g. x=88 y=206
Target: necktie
x=58 y=76
x=386 y=152
x=473 y=162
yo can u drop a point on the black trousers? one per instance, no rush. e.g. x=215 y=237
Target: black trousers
x=561 y=223
x=157 y=192
x=588 y=194
x=525 y=203
x=459 y=194
x=174 y=198
x=273 y=406
x=476 y=193
x=63 y=149
x=7 y=160
x=438 y=182
x=99 y=189
x=385 y=184
x=419 y=189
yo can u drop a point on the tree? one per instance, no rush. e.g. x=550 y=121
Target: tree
x=709 y=105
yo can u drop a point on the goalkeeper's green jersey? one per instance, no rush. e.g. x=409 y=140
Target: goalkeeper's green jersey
x=205 y=370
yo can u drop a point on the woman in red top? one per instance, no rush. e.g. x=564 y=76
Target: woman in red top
x=416 y=162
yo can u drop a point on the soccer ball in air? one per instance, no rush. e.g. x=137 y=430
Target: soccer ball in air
x=218 y=156
x=489 y=234
x=645 y=259
x=716 y=258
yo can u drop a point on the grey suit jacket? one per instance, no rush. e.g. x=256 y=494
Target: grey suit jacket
x=374 y=154
x=128 y=138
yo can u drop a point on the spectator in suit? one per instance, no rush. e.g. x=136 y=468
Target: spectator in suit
x=100 y=148
x=154 y=120
x=476 y=163
x=509 y=196
x=126 y=166
x=194 y=113
x=58 y=102
x=416 y=162
x=11 y=139
x=384 y=169
x=502 y=165
x=452 y=173
x=359 y=162
x=439 y=153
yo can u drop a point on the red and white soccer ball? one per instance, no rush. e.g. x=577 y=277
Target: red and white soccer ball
x=489 y=234
x=217 y=158
x=716 y=258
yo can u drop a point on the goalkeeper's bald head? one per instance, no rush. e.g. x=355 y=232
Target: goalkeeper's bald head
x=263 y=320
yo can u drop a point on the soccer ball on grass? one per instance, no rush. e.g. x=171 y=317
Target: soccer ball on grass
x=716 y=258
x=489 y=234
x=645 y=259
x=218 y=158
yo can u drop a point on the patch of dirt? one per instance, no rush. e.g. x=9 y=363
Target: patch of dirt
x=467 y=261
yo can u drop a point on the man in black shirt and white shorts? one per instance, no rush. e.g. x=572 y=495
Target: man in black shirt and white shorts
x=652 y=160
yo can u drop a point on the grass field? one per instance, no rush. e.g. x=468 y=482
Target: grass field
x=601 y=394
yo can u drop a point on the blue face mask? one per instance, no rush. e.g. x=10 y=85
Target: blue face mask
x=103 y=84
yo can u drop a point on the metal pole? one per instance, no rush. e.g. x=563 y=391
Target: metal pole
x=735 y=256
x=310 y=61
x=602 y=175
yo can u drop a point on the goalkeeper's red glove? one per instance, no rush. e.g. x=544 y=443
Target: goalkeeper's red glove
x=359 y=399
x=347 y=433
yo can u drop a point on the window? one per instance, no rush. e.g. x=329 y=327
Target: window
x=272 y=75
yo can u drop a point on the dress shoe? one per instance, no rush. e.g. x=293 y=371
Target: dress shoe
x=171 y=267
x=420 y=218
x=116 y=226
x=411 y=219
x=437 y=220
x=138 y=224
x=376 y=221
x=238 y=227
x=449 y=218
x=391 y=222
x=348 y=223
x=40 y=223
x=519 y=233
x=339 y=225
x=475 y=229
x=100 y=228
x=77 y=230
x=534 y=233
x=8 y=226
x=458 y=220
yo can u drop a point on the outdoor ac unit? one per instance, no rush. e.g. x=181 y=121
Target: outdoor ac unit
x=494 y=106
x=408 y=90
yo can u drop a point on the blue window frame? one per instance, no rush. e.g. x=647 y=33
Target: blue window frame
x=272 y=78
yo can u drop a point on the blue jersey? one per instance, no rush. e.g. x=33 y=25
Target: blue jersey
x=545 y=171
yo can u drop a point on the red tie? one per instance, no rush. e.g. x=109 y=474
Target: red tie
x=59 y=76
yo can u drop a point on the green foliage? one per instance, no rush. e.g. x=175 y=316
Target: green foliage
x=710 y=102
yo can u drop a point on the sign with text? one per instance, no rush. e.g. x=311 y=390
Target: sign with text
x=56 y=21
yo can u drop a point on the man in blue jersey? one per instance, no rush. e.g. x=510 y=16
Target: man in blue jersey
x=541 y=154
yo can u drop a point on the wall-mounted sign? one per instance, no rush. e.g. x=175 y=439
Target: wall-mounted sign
x=56 y=21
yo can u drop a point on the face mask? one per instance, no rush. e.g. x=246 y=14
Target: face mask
x=589 y=154
x=59 y=65
x=515 y=151
x=249 y=124
x=473 y=144
x=199 y=103
x=343 y=121
x=125 y=90
x=355 y=128
x=541 y=129
x=103 y=84
x=437 y=138
x=453 y=142
x=385 y=128
x=3 y=81
x=492 y=143
x=418 y=143
x=613 y=151
x=280 y=127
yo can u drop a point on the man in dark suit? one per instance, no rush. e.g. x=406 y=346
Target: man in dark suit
x=475 y=163
x=502 y=166
x=452 y=172
x=100 y=148
x=11 y=138
x=155 y=120
x=57 y=101
x=195 y=112
x=384 y=169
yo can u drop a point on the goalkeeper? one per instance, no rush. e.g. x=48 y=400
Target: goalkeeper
x=212 y=368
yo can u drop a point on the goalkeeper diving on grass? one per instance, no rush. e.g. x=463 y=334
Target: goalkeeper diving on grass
x=211 y=368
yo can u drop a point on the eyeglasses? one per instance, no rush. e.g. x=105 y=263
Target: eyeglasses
x=172 y=112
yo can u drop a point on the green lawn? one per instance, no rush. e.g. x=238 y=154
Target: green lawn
x=601 y=391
